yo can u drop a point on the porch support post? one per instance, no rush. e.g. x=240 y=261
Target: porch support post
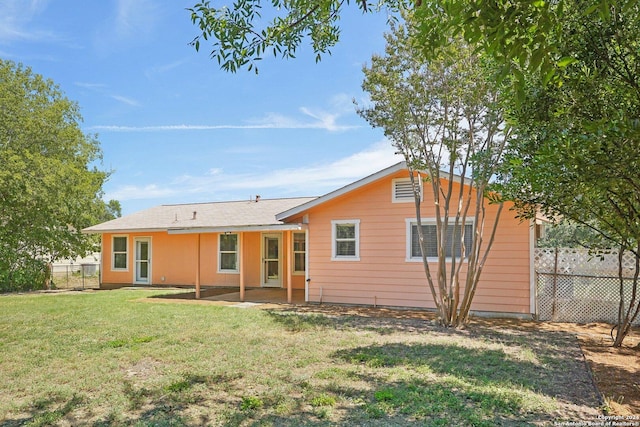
x=289 y=254
x=198 y=267
x=241 y=264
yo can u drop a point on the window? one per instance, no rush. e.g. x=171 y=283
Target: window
x=430 y=236
x=402 y=190
x=345 y=238
x=299 y=252
x=119 y=253
x=228 y=253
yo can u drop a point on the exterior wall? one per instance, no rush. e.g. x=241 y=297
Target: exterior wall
x=174 y=261
x=383 y=276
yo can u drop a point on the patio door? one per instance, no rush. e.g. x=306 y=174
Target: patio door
x=142 y=260
x=271 y=261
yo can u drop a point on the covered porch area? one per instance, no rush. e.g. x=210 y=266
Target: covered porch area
x=258 y=295
x=251 y=295
x=265 y=263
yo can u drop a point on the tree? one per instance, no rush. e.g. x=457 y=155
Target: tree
x=444 y=116
x=112 y=210
x=49 y=190
x=567 y=234
x=238 y=41
x=577 y=150
x=520 y=35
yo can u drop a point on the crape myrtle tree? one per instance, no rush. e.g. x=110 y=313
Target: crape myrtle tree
x=577 y=151
x=443 y=114
x=49 y=188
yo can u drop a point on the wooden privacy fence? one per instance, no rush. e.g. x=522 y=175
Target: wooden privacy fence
x=578 y=285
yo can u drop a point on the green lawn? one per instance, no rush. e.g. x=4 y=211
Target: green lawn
x=107 y=358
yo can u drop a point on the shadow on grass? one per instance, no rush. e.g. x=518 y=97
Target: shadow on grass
x=46 y=412
x=482 y=386
x=452 y=385
x=299 y=320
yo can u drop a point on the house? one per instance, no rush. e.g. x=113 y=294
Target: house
x=355 y=245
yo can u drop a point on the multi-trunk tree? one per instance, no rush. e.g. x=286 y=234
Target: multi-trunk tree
x=443 y=114
x=50 y=188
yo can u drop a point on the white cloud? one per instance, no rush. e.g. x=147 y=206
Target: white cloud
x=322 y=120
x=125 y=100
x=310 y=180
x=103 y=90
x=160 y=69
x=15 y=19
x=134 y=18
x=132 y=23
x=92 y=86
x=134 y=192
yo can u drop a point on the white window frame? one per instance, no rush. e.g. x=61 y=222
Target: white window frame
x=394 y=199
x=113 y=252
x=356 y=224
x=236 y=252
x=294 y=252
x=426 y=221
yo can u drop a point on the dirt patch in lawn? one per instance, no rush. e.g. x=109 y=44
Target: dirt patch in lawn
x=615 y=371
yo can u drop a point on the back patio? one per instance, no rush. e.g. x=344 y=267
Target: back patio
x=233 y=295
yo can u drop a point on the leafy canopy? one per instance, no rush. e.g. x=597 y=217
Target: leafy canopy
x=444 y=115
x=577 y=151
x=523 y=36
x=49 y=187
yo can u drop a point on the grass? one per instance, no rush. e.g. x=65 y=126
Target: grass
x=107 y=359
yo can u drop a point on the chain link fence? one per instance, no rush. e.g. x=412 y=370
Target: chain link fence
x=577 y=285
x=76 y=274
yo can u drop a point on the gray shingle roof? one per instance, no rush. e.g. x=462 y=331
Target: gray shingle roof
x=216 y=215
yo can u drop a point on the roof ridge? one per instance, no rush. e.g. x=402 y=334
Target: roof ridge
x=238 y=201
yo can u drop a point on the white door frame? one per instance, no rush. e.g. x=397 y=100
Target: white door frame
x=265 y=281
x=136 y=262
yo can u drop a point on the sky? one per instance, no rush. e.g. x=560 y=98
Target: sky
x=175 y=128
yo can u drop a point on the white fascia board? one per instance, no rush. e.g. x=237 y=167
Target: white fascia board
x=344 y=190
x=123 y=230
x=355 y=185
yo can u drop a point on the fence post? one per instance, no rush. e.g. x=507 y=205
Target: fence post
x=555 y=286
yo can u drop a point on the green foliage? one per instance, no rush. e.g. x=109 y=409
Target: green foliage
x=443 y=113
x=523 y=36
x=49 y=187
x=323 y=400
x=240 y=36
x=251 y=403
x=28 y=274
x=577 y=151
x=566 y=234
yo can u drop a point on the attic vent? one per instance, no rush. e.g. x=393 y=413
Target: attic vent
x=402 y=190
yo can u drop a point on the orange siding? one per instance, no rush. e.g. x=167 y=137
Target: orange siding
x=383 y=276
x=174 y=261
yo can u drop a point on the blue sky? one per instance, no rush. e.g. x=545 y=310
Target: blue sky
x=174 y=128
